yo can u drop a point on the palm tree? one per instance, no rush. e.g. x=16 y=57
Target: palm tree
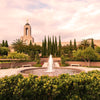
x=18 y=45
x=84 y=44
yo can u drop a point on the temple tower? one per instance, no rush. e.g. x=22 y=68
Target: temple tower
x=26 y=38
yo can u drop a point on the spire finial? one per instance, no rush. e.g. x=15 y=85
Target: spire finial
x=27 y=20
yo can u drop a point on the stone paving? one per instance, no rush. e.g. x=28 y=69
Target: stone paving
x=12 y=71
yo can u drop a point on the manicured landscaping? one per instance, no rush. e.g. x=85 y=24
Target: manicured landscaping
x=83 y=86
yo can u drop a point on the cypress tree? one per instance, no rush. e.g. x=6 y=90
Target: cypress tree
x=3 y=43
x=75 y=47
x=71 y=47
x=45 y=46
x=92 y=43
x=59 y=46
x=48 y=46
x=6 y=43
x=30 y=43
x=52 y=46
x=42 y=48
x=55 y=46
x=70 y=43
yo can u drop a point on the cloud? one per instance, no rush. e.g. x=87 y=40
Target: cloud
x=69 y=18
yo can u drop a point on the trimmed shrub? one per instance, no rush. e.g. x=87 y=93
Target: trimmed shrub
x=83 y=86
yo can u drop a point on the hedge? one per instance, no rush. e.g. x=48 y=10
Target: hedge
x=83 y=86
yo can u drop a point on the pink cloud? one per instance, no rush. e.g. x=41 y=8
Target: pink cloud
x=68 y=18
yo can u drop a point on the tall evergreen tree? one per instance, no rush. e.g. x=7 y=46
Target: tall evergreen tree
x=59 y=46
x=71 y=47
x=3 y=43
x=52 y=46
x=70 y=43
x=92 y=43
x=55 y=46
x=75 y=47
x=42 y=48
x=45 y=46
x=30 y=43
x=48 y=46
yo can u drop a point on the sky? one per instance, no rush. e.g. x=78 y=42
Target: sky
x=79 y=19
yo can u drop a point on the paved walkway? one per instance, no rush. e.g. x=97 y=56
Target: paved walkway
x=12 y=71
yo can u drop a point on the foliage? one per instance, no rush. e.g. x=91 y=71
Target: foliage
x=83 y=86
x=66 y=49
x=42 y=48
x=84 y=44
x=30 y=43
x=7 y=86
x=63 y=59
x=97 y=49
x=30 y=49
x=75 y=46
x=18 y=45
x=87 y=54
x=71 y=47
x=32 y=55
x=4 y=51
x=37 y=58
x=4 y=43
x=37 y=65
x=15 y=55
x=45 y=46
x=59 y=46
x=92 y=43
x=50 y=47
x=55 y=53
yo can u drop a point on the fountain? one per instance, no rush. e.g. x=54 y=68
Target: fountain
x=50 y=68
x=50 y=64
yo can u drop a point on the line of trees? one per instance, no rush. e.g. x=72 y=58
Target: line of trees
x=51 y=46
x=32 y=50
x=4 y=48
x=4 y=43
x=69 y=48
x=85 y=51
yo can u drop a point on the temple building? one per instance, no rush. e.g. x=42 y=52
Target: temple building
x=27 y=38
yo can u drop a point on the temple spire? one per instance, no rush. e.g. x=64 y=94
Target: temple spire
x=27 y=20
